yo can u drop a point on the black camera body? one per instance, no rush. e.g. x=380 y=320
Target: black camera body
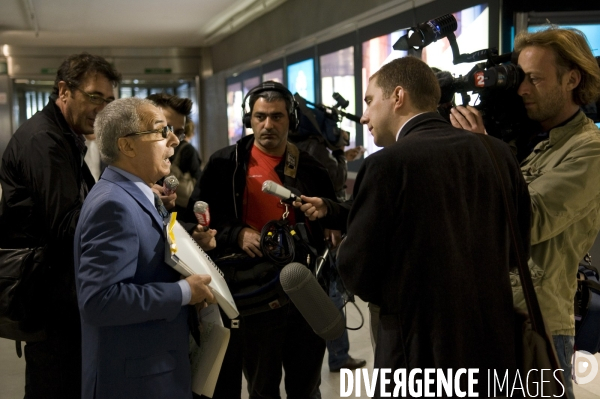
x=496 y=82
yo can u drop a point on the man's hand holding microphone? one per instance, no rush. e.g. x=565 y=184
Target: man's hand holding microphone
x=166 y=192
x=202 y=234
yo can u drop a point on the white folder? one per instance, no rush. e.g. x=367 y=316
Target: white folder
x=185 y=256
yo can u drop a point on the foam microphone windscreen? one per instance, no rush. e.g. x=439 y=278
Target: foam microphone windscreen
x=270 y=187
x=313 y=303
x=170 y=184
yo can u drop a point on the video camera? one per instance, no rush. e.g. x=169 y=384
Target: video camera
x=495 y=80
x=324 y=120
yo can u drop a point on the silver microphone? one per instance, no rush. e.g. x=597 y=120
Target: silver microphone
x=202 y=214
x=270 y=187
x=170 y=184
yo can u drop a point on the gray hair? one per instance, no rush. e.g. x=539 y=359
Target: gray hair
x=116 y=120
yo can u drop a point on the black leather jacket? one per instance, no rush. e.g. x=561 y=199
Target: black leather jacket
x=44 y=182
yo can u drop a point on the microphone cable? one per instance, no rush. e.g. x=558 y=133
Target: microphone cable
x=362 y=317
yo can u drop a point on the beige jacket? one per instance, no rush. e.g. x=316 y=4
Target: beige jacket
x=563 y=176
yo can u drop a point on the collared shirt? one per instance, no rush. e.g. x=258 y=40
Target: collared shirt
x=404 y=124
x=186 y=291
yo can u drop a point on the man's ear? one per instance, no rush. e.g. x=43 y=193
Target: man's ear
x=127 y=147
x=399 y=96
x=63 y=91
x=573 y=79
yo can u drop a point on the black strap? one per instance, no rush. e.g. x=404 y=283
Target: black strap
x=18 y=347
x=533 y=306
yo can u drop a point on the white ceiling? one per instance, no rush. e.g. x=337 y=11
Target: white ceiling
x=125 y=23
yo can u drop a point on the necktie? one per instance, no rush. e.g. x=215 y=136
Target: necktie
x=160 y=207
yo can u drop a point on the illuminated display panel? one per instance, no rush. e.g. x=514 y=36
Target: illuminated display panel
x=337 y=76
x=276 y=75
x=301 y=79
x=234 y=112
x=375 y=53
x=248 y=85
x=591 y=31
x=471 y=35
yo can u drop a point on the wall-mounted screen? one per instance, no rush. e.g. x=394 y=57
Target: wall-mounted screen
x=471 y=35
x=375 y=53
x=591 y=31
x=301 y=79
x=337 y=76
x=234 y=112
x=276 y=75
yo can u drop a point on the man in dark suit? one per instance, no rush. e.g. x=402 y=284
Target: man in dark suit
x=427 y=234
x=133 y=305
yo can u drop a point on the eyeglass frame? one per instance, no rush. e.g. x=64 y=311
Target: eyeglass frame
x=94 y=98
x=164 y=132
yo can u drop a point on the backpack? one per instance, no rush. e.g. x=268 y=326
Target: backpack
x=587 y=307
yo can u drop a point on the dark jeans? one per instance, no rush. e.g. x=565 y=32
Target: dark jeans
x=263 y=343
x=564 y=349
x=282 y=337
x=338 y=348
x=53 y=366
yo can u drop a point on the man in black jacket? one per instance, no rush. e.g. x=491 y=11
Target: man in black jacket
x=44 y=181
x=428 y=239
x=272 y=333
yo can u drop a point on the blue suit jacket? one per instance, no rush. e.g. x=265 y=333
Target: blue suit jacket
x=134 y=329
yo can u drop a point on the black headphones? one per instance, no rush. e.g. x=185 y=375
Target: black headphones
x=271 y=85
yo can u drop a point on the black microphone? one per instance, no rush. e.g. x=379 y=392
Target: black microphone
x=314 y=304
x=426 y=33
x=270 y=187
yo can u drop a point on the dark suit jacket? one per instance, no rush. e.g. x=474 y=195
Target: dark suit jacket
x=134 y=329
x=428 y=241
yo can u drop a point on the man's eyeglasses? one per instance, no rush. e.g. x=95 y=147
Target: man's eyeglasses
x=96 y=99
x=164 y=133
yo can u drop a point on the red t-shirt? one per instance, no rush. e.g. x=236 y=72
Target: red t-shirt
x=260 y=208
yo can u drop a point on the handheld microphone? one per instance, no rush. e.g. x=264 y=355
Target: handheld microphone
x=312 y=302
x=426 y=33
x=170 y=184
x=202 y=214
x=270 y=187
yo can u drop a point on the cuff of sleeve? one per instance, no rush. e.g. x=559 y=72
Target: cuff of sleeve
x=186 y=292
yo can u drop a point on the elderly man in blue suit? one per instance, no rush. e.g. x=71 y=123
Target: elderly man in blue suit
x=133 y=305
